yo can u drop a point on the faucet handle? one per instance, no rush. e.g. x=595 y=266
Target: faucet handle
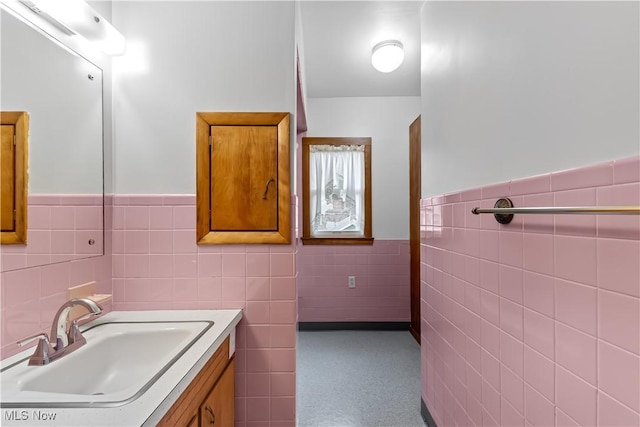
x=42 y=354
x=42 y=335
x=74 y=335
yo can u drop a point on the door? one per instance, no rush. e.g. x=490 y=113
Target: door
x=414 y=224
x=244 y=173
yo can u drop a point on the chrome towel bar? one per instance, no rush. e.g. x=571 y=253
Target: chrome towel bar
x=503 y=210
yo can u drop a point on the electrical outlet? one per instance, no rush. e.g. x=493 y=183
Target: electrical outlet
x=352 y=282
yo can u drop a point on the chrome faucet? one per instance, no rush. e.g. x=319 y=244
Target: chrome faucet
x=65 y=338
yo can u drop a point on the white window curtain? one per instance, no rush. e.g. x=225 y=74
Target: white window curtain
x=336 y=189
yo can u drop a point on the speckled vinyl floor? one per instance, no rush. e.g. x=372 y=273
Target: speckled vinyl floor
x=358 y=379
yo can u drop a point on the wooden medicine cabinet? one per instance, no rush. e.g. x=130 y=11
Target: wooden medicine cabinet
x=242 y=186
x=13 y=168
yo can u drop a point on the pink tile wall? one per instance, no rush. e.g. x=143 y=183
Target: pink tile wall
x=382 y=290
x=32 y=295
x=537 y=322
x=157 y=265
x=60 y=227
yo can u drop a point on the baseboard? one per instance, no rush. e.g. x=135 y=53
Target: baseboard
x=415 y=334
x=426 y=415
x=353 y=326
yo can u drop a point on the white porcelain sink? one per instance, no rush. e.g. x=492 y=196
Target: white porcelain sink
x=119 y=362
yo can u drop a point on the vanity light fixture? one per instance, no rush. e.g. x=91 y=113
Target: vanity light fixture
x=77 y=18
x=386 y=56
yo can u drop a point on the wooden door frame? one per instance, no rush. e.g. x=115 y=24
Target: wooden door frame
x=414 y=224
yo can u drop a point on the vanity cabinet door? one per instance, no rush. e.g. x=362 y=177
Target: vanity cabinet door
x=194 y=421
x=218 y=408
x=188 y=410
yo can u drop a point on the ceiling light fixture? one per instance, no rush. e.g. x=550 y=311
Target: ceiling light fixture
x=386 y=56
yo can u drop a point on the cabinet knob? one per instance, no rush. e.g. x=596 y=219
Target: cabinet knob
x=212 y=414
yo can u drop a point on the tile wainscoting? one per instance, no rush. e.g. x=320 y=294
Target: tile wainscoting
x=157 y=265
x=382 y=292
x=153 y=263
x=31 y=295
x=536 y=322
x=59 y=227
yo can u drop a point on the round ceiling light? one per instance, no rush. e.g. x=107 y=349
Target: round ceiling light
x=387 y=56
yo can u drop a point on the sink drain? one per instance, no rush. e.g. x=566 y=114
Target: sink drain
x=99 y=393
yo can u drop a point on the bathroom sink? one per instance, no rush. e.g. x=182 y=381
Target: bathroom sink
x=119 y=362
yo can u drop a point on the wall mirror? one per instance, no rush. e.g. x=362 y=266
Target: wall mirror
x=61 y=92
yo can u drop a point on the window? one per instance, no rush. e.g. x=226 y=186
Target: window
x=336 y=182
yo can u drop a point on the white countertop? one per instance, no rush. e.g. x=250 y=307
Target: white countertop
x=151 y=406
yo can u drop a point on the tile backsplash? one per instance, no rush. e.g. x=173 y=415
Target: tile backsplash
x=153 y=263
x=31 y=295
x=158 y=265
x=536 y=322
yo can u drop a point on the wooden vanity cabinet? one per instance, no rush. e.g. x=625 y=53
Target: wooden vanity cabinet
x=209 y=397
x=194 y=421
x=218 y=408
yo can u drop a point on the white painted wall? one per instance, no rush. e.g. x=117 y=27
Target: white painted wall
x=185 y=57
x=300 y=49
x=514 y=89
x=386 y=120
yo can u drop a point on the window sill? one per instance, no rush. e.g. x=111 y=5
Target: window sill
x=337 y=240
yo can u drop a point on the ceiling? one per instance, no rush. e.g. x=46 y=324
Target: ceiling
x=337 y=40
